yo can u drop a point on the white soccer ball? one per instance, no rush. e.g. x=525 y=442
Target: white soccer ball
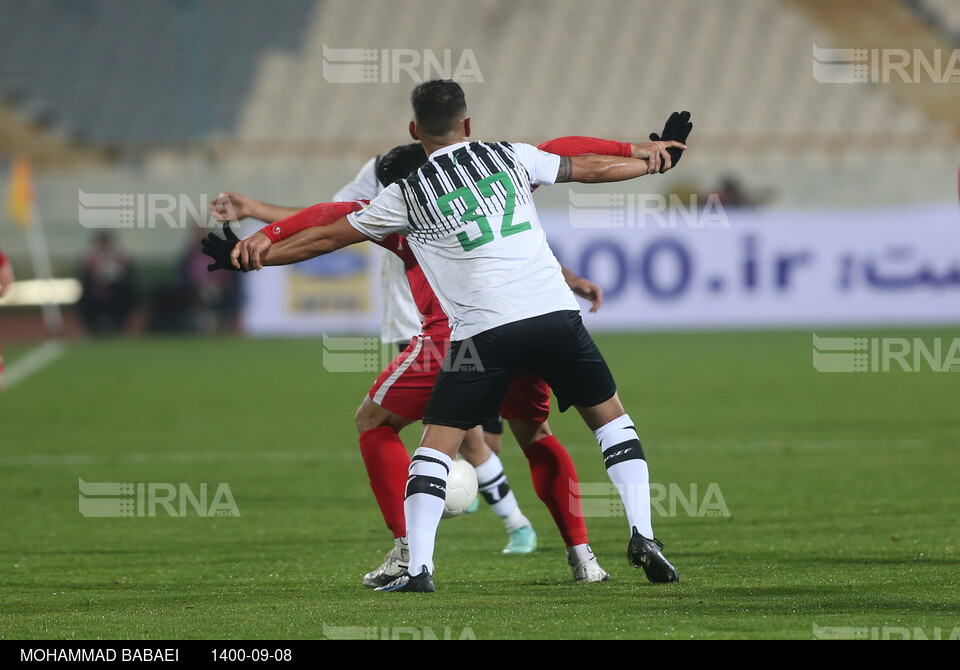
x=461 y=488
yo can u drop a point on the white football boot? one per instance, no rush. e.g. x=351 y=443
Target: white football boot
x=395 y=565
x=584 y=564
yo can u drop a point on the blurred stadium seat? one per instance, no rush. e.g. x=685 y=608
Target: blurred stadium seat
x=739 y=61
x=151 y=71
x=945 y=13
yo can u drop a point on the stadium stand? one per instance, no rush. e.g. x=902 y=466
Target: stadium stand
x=138 y=72
x=242 y=69
x=945 y=14
x=758 y=84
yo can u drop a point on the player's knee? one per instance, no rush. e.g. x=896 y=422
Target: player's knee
x=365 y=418
x=526 y=432
x=474 y=448
x=475 y=454
x=542 y=431
x=370 y=415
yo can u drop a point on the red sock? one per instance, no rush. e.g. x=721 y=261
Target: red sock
x=556 y=484
x=387 y=462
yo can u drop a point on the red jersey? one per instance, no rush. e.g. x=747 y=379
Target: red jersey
x=435 y=322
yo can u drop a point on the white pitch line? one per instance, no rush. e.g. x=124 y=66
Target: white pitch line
x=173 y=459
x=806 y=445
x=160 y=458
x=31 y=362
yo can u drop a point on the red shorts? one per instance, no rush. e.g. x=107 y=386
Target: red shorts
x=405 y=385
x=528 y=398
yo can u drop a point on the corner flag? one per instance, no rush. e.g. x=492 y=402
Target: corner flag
x=20 y=195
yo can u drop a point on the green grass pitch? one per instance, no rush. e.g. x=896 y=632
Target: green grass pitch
x=843 y=491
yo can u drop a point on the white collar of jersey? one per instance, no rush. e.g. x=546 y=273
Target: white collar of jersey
x=450 y=148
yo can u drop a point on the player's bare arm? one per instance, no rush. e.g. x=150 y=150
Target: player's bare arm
x=231 y=206
x=584 y=288
x=256 y=251
x=651 y=157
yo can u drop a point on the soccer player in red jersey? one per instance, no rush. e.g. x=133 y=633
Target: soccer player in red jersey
x=399 y=397
x=383 y=453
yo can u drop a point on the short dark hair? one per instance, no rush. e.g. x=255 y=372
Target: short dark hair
x=437 y=106
x=400 y=162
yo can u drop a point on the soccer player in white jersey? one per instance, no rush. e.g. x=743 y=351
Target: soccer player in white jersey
x=382 y=450
x=468 y=216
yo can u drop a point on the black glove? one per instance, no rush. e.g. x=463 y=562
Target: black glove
x=677 y=128
x=219 y=248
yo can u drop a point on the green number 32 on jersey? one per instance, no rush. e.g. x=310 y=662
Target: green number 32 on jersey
x=485 y=186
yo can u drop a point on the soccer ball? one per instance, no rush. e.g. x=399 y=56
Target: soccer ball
x=461 y=488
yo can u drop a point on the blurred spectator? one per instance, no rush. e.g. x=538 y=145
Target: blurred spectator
x=215 y=296
x=108 y=288
x=732 y=194
x=199 y=300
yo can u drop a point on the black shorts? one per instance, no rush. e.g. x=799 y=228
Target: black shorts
x=478 y=371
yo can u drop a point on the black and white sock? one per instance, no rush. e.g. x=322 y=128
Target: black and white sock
x=423 y=504
x=627 y=469
x=495 y=489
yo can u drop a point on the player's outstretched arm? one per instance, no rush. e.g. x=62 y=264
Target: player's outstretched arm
x=302 y=246
x=231 y=253
x=581 y=145
x=252 y=252
x=652 y=157
x=677 y=128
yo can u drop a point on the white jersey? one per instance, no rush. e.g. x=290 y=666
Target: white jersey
x=469 y=218
x=400 y=320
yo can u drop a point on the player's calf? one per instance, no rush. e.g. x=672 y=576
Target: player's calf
x=494 y=487
x=627 y=468
x=423 y=505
